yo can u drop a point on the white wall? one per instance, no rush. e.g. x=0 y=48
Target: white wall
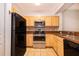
x=2 y=36
x=60 y=21
x=70 y=20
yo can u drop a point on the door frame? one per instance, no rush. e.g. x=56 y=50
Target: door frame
x=7 y=29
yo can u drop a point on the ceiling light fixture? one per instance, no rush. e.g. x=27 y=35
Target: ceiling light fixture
x=37 y=4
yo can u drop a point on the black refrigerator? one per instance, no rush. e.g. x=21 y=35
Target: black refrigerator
x=18 y=35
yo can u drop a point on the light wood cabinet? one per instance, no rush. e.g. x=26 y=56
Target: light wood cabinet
x=29 y=40
x=58 y=45
x=32 y=19
x=47 y=20
x=54 y=42
x=55 y=20
x=48 y=40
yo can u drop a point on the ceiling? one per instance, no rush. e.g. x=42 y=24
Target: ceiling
x=75 y=6
x=42 y=9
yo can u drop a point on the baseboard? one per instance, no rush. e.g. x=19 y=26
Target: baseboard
x=48 y=47
x=29 y=46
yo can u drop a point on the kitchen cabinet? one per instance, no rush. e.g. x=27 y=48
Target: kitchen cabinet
x=47 y=20
x=55 y=20
x=58 y=45
x=29 y=40
x=32 y=19
x=48 y=40
x=54 y=43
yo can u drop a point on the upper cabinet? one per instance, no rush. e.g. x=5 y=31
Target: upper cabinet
x=32 y=19
x=49 y=20
x=55 y=20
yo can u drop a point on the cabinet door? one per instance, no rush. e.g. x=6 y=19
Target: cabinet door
x=47 y=20
x=60 y=50
x=29 y=40
x=27 y=18
x=55 y=20
x=55 y=43
x=48 y=40
x=60 y=46
x=32 y=19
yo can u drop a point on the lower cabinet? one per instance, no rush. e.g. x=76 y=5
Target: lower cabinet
x=29 y=40
x=53 y=41
x=58 y=45
x=48 y=40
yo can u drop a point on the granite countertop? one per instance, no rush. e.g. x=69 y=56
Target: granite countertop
x=46 y=29
x=64 y=35
x=72 y=38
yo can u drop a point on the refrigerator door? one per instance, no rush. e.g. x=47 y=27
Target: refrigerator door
x=13 y=34
x=18 y=35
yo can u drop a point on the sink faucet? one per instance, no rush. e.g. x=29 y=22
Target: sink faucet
x=60 y=33
x=72 y=33
x=68 y=33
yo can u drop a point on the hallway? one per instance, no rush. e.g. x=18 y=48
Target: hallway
x=40 y=52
